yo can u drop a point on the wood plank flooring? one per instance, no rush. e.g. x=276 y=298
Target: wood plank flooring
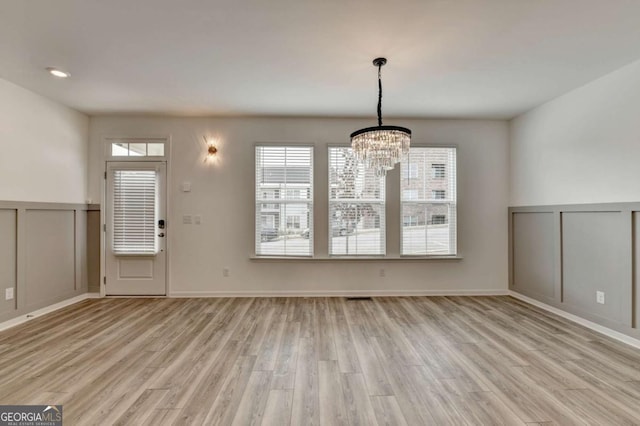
x=319 y=361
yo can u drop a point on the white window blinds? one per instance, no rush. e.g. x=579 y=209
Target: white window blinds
x=284 y=201
x=429 y=202
x=134 y=212
x=356 y=206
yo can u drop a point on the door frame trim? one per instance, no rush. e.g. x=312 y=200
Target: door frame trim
x=106 y=142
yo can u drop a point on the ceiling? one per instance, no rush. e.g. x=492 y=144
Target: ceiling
x=447 y=58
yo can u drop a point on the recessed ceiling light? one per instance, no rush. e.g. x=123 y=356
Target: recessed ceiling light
x=58 y=73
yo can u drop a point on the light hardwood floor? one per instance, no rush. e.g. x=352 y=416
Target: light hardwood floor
x=278 y=361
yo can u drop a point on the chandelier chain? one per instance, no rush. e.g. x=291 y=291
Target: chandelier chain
x=379 y=95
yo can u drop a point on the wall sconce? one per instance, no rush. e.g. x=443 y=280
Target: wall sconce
x=212 y=150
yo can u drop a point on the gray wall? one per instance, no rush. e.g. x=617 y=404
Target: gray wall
x=44 y=148
x=562 y=254
x=222 y=193
x=581 y=147
x=44 y=254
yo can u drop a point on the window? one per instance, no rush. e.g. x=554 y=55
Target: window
x=410 y=194
x=356 y=207
x=284 y=201
x=294 y=193
x=137 y=148
x=410 y=220
x=437 y=170
x=410 y=172
x=268 y=221
x=429 y=219
x=293 y=222
x=134 y=212
x=438 y=219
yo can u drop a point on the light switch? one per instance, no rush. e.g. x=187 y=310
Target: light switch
x=197 y=219
x=186 y=219
x=186 y=186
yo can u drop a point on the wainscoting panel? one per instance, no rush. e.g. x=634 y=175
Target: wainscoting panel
x=50 y=253
x=8 y=236
x=578 y=250
x=533 y=260
x=594 y=249
x=43 y=255
x=93 y=250
x=636 y=270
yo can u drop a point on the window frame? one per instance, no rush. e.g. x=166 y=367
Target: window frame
x=453 y=239
x=283 y=200
x=111 y=140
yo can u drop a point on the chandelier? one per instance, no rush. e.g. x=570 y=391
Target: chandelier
x=380 y=147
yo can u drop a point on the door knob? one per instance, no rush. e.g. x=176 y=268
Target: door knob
x=161 y=234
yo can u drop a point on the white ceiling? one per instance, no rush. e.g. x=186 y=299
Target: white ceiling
x=447 y=58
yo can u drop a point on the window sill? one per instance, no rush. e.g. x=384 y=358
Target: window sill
x=355 y=258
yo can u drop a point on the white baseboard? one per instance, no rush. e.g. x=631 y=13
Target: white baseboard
x=339 y=293
x=31 y=315
x=579 y=320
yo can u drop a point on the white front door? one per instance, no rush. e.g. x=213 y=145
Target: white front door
x=136 y=254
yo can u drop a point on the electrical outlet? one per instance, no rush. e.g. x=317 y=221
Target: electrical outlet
x=600 y=297
x=186 y=219
x=225 y=272
x=383 y=273
x=8 y=293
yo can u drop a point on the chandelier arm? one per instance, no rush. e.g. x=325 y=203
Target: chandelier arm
x=379 y=95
